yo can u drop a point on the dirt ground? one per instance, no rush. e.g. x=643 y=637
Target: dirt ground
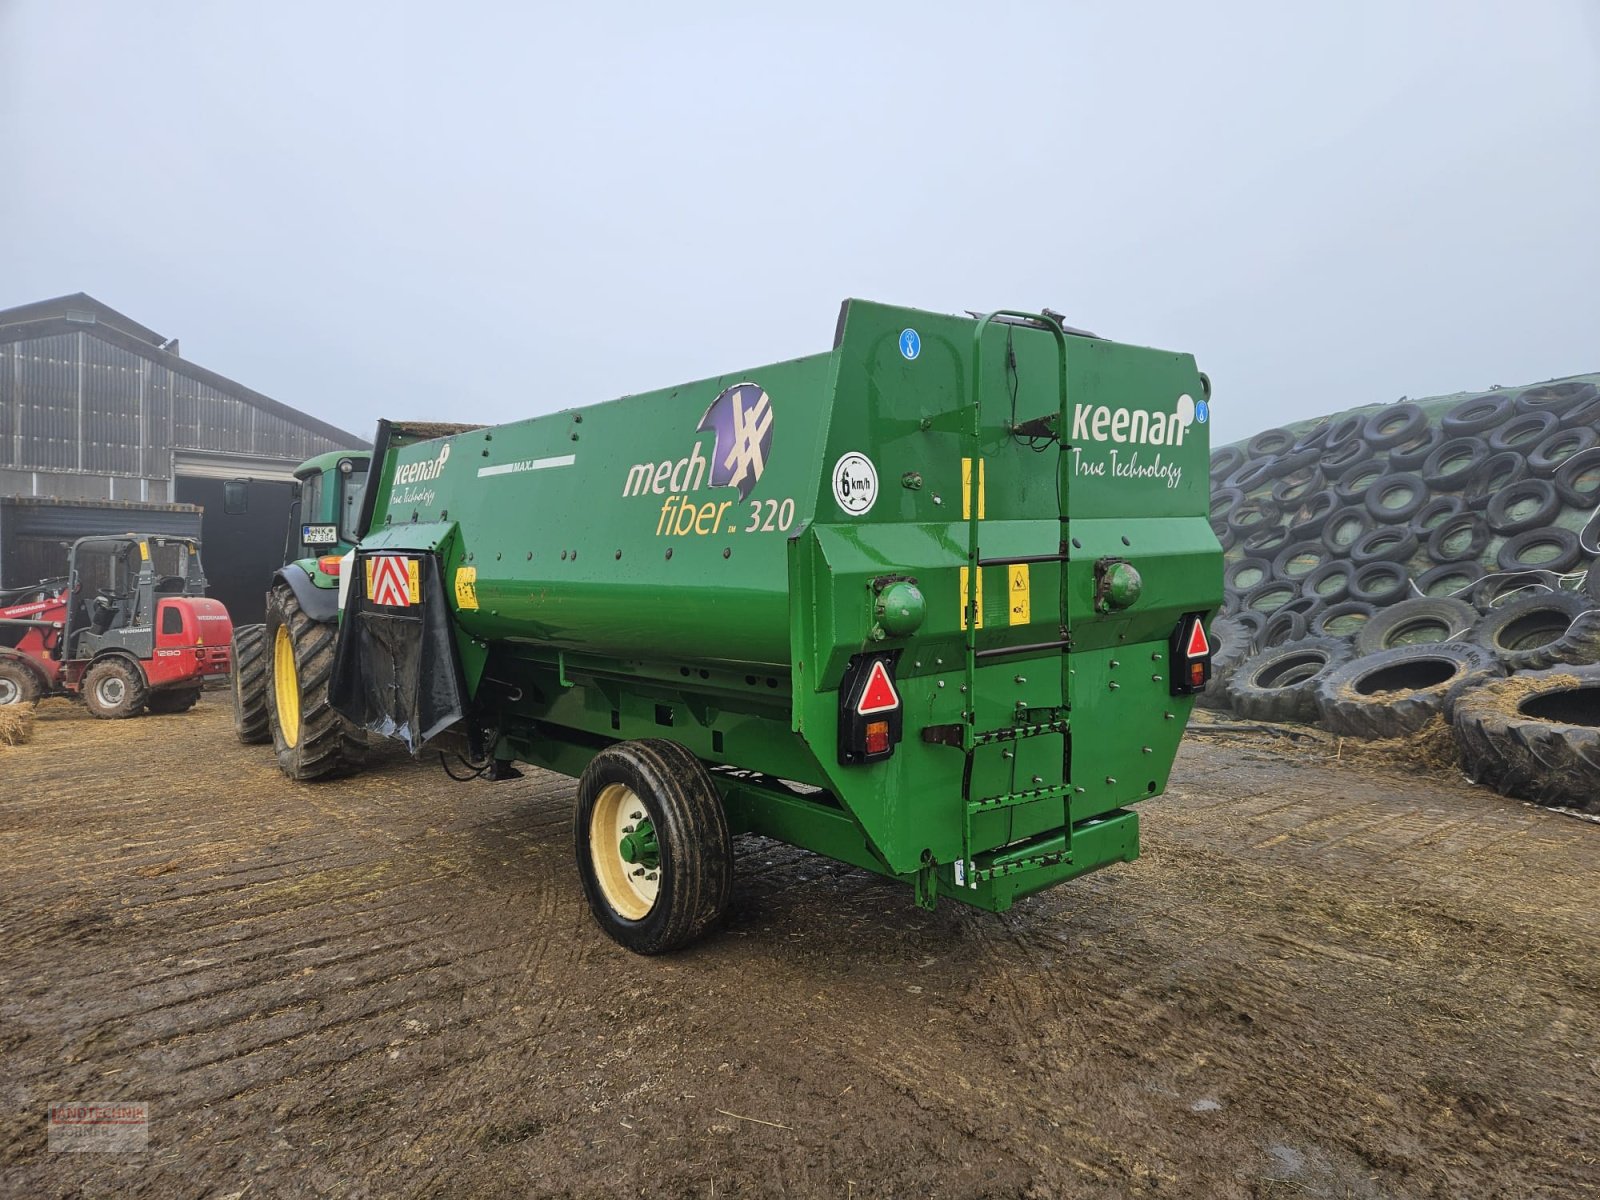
x=1323 y=979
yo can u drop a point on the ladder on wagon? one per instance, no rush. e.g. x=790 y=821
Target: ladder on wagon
x=976 y=732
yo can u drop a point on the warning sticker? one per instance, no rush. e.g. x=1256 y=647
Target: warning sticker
x=855 y=484
x=1021 y=610
x=394 y=581
x=965 y=576
x=466 y=587
x=966 y=489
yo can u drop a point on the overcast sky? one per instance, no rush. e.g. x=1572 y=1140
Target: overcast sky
x=487 y=211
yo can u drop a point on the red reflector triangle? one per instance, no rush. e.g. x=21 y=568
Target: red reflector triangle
x=879 y=694
x=1198 y=646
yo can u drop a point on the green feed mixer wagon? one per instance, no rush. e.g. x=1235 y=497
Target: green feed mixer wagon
x=931 y=603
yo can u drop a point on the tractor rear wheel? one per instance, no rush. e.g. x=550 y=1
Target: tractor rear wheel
x=115 y=689
x=251 y=721
x=18 y=683
x=653 y=845
x=173 y=700
x=311 y=740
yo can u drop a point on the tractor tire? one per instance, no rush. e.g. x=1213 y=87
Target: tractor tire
x=662 y=894
x=1410 y=455
x=1396 y=692
x=311 y=740
x=173 y=700
x=1535 y=736
x=19 y=683
x=1279 y=684
x=1450 y=580
x=1422 y=620
x=115 y=689
x=252 y=724
x=1542 y=630
x=1551 y=549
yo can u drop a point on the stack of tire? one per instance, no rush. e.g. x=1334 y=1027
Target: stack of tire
x=1391 y=564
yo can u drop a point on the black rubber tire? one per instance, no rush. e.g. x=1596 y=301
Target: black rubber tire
x=1450 y=580
x=1345 y=528
x=1355 y=483
x=1545 y=459
x=1306 y=520
x=1564 y=554
x=1523 y=432
x=1223 y=501
x=327 y=746
x=1270 y=443
x=1583 y=415
x=1393 y=693
x=1526 y=504
x=173 y=700
x=1285 y=625
x=696 y=846
x=1345 y=431
x=1329 y=583
x=1297 y=486
x=1255 y=473
x=1535 y=736
x=1223 y=534
x=1454 y=463
x=1342 y=620
x=1421 y=620
x=1232 y=641
x=1226 y=461
x=1395 y=499
x=1477 y=413
x=1279 y=683
x=1409 y=456
x=1433 y=514
x=1255 y=513
x=1535 y=632
x=1265 y=542
x=1387 y=543
x=1394 y=424
x=19 y=683
x=1578 y=480
x=118 y=674
x=1380 y=583
x=1502 y=587
x=1557 y=398
x=1297 y=560
x=1315 y=438
x=1268 y=597
x=1255 y=570
x=1499 y=470
x=252 y=725
x=1343 y=457
x=1445 y=543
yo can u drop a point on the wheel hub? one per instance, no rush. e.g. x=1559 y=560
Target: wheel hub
x=639 y=846
x=10 y=693
x=624 y=852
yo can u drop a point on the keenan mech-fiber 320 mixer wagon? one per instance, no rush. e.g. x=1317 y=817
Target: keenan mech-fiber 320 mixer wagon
x=931 y=603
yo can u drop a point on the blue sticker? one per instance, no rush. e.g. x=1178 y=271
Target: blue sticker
x=910 y=343
x=1202 y=410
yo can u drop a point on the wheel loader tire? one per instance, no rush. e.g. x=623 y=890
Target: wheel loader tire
x=115 y=689
x=310 y=739
x=1395 y=692
x=19 y=683
x=1535 y=736
x=252 y=724
x=1542 y=630
x=1422 y=620
x=173 y=700
x=662 y=891
x=1279 y=683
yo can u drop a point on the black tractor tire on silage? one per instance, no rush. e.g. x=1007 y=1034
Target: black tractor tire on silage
x=1354 y=484
x=1396 y=498
x=1279 y=683
x=1345 y=528
x=1557 y=398
x=1316 y=437
x=1523 y=432
x=1387 y=543
x=1395 y=692
x=1499 y=470
x=1223 y=534
x=1526 y=504
x=1578 y=480
x=1460 y=538
x=673 y=789
x=1583 y=415
x=1540 y=631
x=1296 y=486
x=1232 y=641
x=1339 y=459
x=1223 y=501
x=1394 y=424
x=1307 y=518
x=1265 y=542
x=1298 y=559
x=1239 y=576
x=322 y=745
x=1270 y=442
x=1409 y=456
x=1288 y=624
x=1450 y=580
x=1420 y=620
x=251 y=723
x=1249 y=515
x=1341 y=620
x=1535 y=736
x=1434 y=513
x=1553 y=548
x=1256 y=472
x=1453 y=464
x=1225 y=462
x=1329 y=583
x=1380 y=583
x=1269 y=596
x=1477 y=413
x=1545 y=459
x=1502 y=587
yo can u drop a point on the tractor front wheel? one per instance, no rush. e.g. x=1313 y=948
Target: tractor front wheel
x=18 y=683
x=115 y=689
x=312 y=741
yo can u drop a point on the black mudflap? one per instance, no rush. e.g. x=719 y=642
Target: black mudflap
x=395 y=670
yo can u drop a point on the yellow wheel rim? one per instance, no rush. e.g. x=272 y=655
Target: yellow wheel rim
x=629 y=888
x=286 y=687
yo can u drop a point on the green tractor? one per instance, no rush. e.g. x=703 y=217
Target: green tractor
x=280 y=669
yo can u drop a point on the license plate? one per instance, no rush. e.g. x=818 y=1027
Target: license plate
x=319 y=535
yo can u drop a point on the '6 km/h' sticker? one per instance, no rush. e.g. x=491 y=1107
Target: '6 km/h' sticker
x=855 y=484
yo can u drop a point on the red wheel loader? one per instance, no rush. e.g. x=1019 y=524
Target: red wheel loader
x=129 y=630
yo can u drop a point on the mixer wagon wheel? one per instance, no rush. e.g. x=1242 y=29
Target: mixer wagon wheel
x=311 y=740
x=251 y=722
x=653 y=846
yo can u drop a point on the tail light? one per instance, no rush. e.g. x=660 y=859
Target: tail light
x=329 y=564
x=870 y=711
x=1191 y=656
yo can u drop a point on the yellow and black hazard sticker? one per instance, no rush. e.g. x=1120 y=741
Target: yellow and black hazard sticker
x=965 y=577
x=394 y=581
x=966 y=489
x=1021 y=608
x=466 y=587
